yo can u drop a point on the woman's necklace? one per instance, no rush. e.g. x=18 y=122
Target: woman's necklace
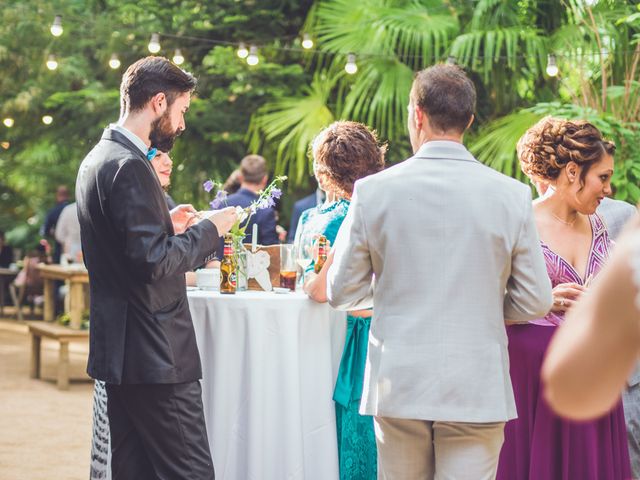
x=569 y=224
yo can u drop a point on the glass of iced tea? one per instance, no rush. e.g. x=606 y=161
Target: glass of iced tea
x=288 y=266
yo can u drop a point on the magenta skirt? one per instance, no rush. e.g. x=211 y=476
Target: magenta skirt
x=540 y=445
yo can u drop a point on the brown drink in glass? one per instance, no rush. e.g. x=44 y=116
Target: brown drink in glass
x=288 y=267
x=288 y=280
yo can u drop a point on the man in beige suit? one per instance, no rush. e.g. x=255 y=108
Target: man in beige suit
x=445 y=250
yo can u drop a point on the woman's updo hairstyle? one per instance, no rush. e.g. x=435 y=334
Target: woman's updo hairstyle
x=547 y=147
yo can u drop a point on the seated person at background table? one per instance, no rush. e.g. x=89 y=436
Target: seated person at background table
x=28 y=283
x=310 y=201
x=343 y=153
x=6 y=252
x=254 y=176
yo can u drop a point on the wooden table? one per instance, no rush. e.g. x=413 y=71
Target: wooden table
x=63 y=335
x=76 y=276
x=6 y=276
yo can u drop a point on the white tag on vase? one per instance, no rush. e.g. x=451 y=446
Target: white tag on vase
x=258 y=268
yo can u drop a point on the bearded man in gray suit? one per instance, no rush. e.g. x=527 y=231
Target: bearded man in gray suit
x=445 y=250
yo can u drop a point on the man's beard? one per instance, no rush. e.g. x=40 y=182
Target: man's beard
x=162 y=136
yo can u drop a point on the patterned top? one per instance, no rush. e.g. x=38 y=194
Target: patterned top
x=324 y=219
x=561 y=271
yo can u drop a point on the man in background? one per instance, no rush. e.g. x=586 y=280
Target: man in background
x=51 y=220
x=253 y=179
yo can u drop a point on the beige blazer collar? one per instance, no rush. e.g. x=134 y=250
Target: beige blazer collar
x=444 y=150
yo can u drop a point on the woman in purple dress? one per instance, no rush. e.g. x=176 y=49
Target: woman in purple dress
x=575 y=162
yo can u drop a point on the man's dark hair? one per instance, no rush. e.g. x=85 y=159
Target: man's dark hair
x=150 y=76
x=446 y=95
x=253 y=169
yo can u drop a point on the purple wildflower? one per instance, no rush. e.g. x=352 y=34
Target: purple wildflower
x=215 y=204
x=208 y=186
x=266 y=203
x=221 y=196
x=276 y=192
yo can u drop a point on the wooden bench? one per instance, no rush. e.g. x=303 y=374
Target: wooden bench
x=63 y=335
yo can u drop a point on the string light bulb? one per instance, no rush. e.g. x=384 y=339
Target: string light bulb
x=5 y=145
x=253 y=59
x=114 y=61
x=242 y=51
x=552 y=66
x=52 y=63
x=178 y=58
x=47 y=119
x=56 y=27
x=8 y=122
x=154 y=43
x=351 y=66
x=307 y=43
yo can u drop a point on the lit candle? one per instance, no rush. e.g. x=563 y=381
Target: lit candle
x=254 y=238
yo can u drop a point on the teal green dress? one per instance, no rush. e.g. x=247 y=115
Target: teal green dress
x=356 y=439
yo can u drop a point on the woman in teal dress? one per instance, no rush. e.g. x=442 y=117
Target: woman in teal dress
x=343 y=153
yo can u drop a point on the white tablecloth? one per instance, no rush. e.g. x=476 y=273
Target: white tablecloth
x=269 y=365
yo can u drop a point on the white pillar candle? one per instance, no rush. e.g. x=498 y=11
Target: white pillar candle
x=254 y=238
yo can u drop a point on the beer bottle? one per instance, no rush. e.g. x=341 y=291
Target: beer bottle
x=228 y=268
x=322 y=253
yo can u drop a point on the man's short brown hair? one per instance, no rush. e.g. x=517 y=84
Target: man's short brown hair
x=148 y=77
x=253 y=169
x=446 y=95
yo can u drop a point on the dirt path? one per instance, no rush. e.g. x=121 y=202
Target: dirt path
x=45 y=433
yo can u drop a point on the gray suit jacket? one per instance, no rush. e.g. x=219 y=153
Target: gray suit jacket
x=615 y=214
x=453 y=251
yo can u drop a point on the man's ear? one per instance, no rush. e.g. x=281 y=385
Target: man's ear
x=159 y=103
x=419 y=117
x=473 y=117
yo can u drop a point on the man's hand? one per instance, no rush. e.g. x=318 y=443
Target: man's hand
x=182 y=217
x=223 y=219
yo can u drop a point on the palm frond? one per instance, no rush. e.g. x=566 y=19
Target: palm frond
x=495 y=144
x=379 y=95
x=417 y=34
x=482 y=50
x=293 y=123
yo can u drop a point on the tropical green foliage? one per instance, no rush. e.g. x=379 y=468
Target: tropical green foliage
x=278 y=106
x=82 y=93
x=503 y=44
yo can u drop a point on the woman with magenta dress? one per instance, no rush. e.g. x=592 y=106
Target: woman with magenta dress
x=576 y=163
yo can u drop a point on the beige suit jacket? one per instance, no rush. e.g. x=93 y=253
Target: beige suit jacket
x=445 y=249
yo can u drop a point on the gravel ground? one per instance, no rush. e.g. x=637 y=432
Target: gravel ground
x=45 y=433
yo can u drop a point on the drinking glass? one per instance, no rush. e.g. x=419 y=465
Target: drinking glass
x=304 y=251
x=288 y=270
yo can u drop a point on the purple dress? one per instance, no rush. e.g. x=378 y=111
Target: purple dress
x=539 y=445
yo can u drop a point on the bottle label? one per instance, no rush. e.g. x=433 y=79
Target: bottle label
x=228 y=251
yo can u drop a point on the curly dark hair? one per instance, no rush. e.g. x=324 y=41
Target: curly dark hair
x=345 y=152
x=547 y=147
